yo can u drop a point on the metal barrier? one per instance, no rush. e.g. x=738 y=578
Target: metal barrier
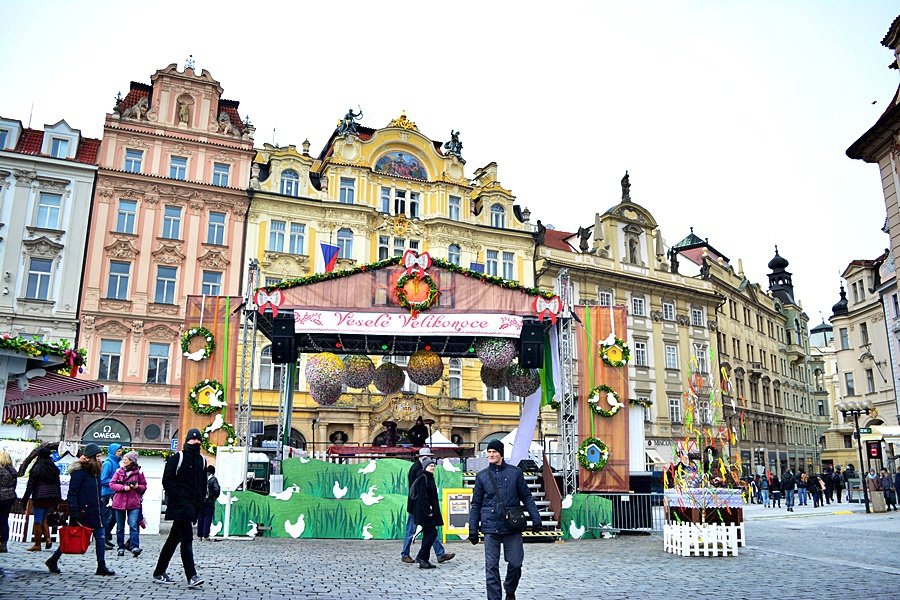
x=636 y=512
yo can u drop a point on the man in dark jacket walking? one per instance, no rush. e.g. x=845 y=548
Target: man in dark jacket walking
x=485 y=514
x=439 y=551
x=184 y=480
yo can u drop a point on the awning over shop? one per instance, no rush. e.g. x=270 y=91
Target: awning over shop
x=655 y=457
x=889 y=433
x=53 y=394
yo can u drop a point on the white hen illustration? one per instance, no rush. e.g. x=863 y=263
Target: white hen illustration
x=295 y=530
x=567 y=501
x=338 y=491
x=449 y=466
x=286 y=494
x=576 y=532
x=369 y=498
x=216 y=424
x=215 y=528
x=226 y=499
x=253 y=529
x=196 y=355
x=367 y=535
x=369 y=468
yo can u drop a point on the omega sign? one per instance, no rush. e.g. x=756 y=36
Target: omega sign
x=106 y=431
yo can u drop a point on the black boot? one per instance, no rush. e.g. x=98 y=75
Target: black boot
x=424 y=564
x=102 y=570
x=53 y=563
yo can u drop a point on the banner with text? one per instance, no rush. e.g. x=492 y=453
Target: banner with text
x=374 y=323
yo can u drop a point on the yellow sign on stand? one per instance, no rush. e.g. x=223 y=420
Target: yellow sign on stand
x=456 y=503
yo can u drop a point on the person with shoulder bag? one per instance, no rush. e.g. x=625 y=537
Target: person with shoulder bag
x=128 y=485
x=496 y=512
x=8 y=476
x=84 y=505
x=213 y=490
x=426 y=511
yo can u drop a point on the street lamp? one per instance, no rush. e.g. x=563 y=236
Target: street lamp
x=854 y=408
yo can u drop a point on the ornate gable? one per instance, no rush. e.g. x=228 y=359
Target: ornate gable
x=43 y=247
x=113 y=328
x=213 y=259
x=168 y=254
x=122 y=248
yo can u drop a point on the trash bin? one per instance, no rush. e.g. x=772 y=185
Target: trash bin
x=877 y=499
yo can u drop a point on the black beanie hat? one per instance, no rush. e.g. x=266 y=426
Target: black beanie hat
x=193 y=434
x=496 y=445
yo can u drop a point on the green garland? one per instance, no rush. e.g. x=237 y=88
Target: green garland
x=425 y=304
x=230 y=439
x=593 y=401
x=203 y=332
x=395 y=260
x=582 y=454
x=645 y=402
x=208 y=409
x=20 y=422
x=613 y=361
x=36 y=347
x=148 y=452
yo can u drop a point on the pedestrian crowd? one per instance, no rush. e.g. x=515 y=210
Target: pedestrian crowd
x=831 y=485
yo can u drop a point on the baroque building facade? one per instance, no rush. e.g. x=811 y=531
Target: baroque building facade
x=375 y=193
x=46 y=182
x=622 y=259
x=167 y=221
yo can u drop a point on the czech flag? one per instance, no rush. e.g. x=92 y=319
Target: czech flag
x=327 y=258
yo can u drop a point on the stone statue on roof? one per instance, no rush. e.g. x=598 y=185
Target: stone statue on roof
x=626 y=188
x=584 y=234
x=348 y=123
x=540 y=233
x=454 y=146
x=225 y=126
x=138 y=110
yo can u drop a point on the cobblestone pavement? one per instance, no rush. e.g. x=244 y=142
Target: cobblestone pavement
x=804 y=552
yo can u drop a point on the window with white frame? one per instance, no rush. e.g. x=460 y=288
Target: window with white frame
x=671 y=356
x=270 y=374
x=643 y=402
x=110 y=359
x=702 y=358
x=454 y=254
x=492 y=262
x=221 y=171
x=414 y=205
x=48 y=209
x=455 y=203
x=849 y=384
x=126 y=216
x=605 y=297
x=171 y=226
x=215 y=232
x=497 y=395
x=345 y=242
x=347 y=192
x=638 y=307
x=384 y=247
x=4 y=138
x=59 y=148
x=399 y=202
x=166 y=278
x=133 y=160
x=704 y=412
x=119 y=273
x=276 y=236
x=386 y=200
x=508 y=265
x=296 y=241
x=697 y=317
x=498 y=216
x=668 y=311
x=158 y=363
x=272 y=281
x=399 y=246
x=675 y=410
x=455 y=378
x=178 y=167
x=640 y=354
x=402 y=361
x=38 y=287
x=290 y=183
x=212 y=283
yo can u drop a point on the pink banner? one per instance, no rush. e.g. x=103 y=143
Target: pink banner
x=395 y=323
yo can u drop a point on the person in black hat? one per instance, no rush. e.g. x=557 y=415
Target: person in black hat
x=184 y=480
x=84 y=505
x=426 y=510
x=439 y=551
x=500 y=484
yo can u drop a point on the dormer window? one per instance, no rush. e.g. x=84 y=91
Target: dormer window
x=290 y=183
x=59 y=148
x=4 y=138
x=498 y=216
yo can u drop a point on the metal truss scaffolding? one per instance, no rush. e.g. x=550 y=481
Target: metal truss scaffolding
x=568 y=413
x=248 y=354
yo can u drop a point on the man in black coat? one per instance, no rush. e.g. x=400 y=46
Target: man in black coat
x=184 y=480
x=439 y=551
x=485 y=510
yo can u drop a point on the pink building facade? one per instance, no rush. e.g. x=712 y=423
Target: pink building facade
x=168 y=220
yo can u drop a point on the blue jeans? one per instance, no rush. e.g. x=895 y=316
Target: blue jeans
x=789 y=498
x=107 y=518
x=204 y=520
x=765 y=497
x=439 y=549
x=802 y=493
x=513 y=552
x=134 y=517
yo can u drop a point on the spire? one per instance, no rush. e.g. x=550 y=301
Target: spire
x=840 y=308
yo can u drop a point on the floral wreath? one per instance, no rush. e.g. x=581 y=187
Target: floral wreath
x=208 y=409
x=416 y=307
x=615 y=354
x=594 y=401
x=230 y=439
x=195 y=332
x=582 y=454
x=645 y=402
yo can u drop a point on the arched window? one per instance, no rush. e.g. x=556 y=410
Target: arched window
x=498 y=216
x=290 y=183
x=453 y=254
x=490 y=438
x=455 y=377
x=345 y=242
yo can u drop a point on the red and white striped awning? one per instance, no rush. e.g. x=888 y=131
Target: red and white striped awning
x=53 y=394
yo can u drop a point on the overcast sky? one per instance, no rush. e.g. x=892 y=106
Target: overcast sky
x=732 y=117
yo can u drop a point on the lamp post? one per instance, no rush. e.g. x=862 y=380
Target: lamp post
x=854 y=409
x=315 y=423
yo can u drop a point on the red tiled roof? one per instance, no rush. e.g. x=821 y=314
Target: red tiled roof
x=87 y=151
x=134 y=96
x=230 y=108
x=553 y=238
x=31 y=141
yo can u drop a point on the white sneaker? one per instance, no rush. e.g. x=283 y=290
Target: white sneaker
x=195 y=582
x=163 y=579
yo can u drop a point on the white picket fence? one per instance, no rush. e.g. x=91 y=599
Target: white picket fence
x=708 y=539
x=20 y=528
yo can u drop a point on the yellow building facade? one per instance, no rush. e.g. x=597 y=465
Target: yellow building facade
x=375 y=193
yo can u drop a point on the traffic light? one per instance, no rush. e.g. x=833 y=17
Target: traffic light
x=873 y=447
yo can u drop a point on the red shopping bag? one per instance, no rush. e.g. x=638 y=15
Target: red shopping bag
x=75 y=539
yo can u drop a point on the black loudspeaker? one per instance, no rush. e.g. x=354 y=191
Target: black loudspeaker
x=284 y=345
x=531 y=344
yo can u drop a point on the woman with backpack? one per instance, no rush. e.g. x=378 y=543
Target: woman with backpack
x=44 y=492
x=213 y=489
x=775 y=490
x=128 y=485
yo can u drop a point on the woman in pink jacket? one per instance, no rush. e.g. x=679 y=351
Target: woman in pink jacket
x=128 y=484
